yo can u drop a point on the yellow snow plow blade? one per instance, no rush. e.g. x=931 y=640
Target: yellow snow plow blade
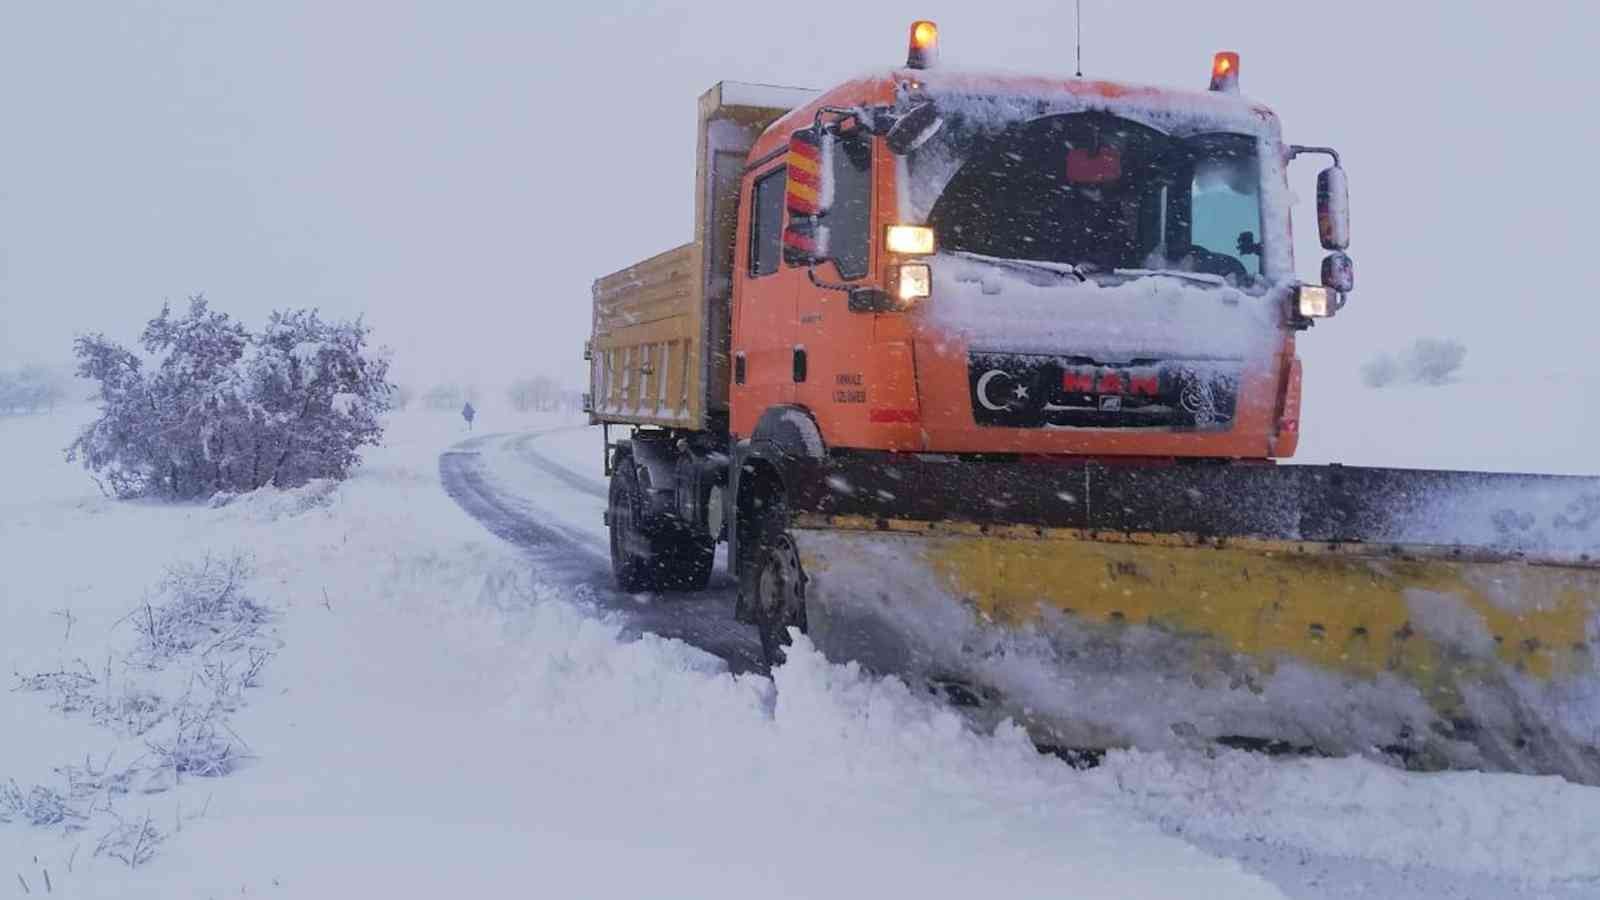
x=1428 y=654
x=1329 y=605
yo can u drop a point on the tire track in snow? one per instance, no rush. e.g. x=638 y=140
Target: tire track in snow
x=522 y=444
x=530 y=517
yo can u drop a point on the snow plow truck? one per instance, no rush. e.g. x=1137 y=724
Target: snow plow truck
x=984 y=379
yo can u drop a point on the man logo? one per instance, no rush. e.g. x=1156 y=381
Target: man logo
x=1139 y=382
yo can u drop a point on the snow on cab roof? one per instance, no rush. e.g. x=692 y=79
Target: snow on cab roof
x=770 y=96
x=1165 y=108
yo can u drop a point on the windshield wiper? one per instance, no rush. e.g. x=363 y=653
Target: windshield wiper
x=1081 y=271
x=1200 y=277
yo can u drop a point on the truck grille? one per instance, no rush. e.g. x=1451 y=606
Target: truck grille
x=1030 y=391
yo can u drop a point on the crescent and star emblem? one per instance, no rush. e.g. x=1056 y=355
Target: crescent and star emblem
x=1018 y=392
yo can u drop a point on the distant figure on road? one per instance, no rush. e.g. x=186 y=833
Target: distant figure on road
x=467 y=412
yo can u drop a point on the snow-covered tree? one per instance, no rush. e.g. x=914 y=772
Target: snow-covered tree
x=1428 y=361
x=220 y=409
x=449 y=397
x=541 y=392
x=32 y=388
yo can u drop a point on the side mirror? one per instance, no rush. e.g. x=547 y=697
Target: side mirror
x=809 y=196
x=810 y=179
x=805 y=242
x=913 y=129
x=1333 y=208
x=1338 y=273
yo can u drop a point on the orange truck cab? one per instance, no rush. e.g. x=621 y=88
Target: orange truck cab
x=972 y=264
x=928 y=264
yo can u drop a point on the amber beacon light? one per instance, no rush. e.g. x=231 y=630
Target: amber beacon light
x=924 y=45
x=1225 y=72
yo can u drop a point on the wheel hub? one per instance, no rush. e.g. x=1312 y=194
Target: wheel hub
x=782 y=589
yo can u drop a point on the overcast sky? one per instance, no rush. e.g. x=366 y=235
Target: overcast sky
x=461 y=172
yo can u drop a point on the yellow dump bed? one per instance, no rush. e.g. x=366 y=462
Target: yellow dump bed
x=659 y=351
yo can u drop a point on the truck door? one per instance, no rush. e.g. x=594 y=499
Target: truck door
x=836 y=343
x=764 y=328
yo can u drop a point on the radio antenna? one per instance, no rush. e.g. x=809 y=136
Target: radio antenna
x=1078 y=20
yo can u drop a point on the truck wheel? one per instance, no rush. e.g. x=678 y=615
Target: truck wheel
x=685 y=564
x=632 y=570
x=645 y=558
x=773 y=586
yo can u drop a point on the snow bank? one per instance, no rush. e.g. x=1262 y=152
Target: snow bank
x=1508 y=826
x=1553 y=518
x=269 y=504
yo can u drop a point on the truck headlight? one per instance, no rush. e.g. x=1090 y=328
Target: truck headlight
x=910 y=240
x=911 y=282
x=1314 y=301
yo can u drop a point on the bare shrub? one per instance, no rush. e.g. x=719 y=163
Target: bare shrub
x=230 y=676
x=38 y=806
x=86 y=782
x=71 y=688
x=133 y=712
x=203 y=606
x=11 y=801
x=199 y=621
x=134 y=843
x=256 y=659
x=195 y=747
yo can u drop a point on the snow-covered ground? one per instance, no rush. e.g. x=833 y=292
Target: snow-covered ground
x=441 y=718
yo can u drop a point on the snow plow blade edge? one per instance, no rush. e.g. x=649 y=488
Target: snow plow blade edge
x=1436 y=619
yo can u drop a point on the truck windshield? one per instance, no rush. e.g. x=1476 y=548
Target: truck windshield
x=1101 y=193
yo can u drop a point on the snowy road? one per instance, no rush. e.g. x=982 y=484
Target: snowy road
x=532 y=499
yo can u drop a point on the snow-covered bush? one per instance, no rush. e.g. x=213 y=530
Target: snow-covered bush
x=1430 y=361
x=1434 y=361
x=202 y=605
x=220 y=409
x=40 y=806
x=194 y=745
x=1380 y=371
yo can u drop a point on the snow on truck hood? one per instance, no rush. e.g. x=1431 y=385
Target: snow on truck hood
x=994 y=307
